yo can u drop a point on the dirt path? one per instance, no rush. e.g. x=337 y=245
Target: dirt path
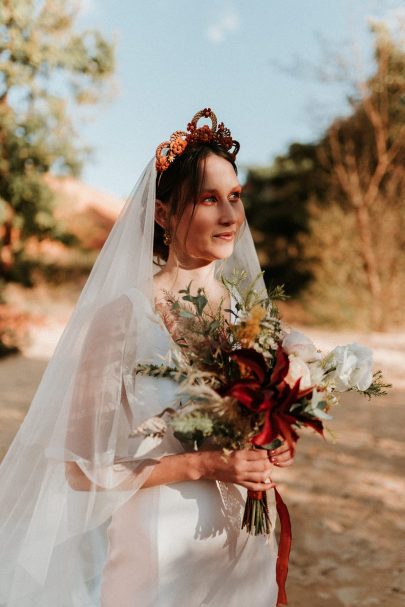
x=346 y=499
x=347 y=504
x=19 y=377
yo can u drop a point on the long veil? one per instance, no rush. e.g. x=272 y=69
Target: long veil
x=53 y=531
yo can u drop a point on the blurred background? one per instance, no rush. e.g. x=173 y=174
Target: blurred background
x=314 y=92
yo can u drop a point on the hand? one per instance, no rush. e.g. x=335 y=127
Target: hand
x=281 y=456
x=247 y=467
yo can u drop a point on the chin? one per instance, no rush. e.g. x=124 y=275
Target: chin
x=223 y=252
x=211 y=254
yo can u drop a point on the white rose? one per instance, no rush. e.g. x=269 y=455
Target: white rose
x=298 y=369
x=317 y=373
x=353 y=364
x=297 y=343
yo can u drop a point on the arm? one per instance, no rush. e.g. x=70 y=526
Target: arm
x=246 y=467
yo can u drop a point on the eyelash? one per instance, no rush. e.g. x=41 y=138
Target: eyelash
x=238 y=194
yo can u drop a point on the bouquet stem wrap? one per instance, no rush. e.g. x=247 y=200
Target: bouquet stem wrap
x=256 y=520
x=284 y=547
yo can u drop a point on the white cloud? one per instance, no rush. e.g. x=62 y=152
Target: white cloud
x=226 y=23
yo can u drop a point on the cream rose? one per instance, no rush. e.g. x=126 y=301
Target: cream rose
x=298 y=369
x=299 y=344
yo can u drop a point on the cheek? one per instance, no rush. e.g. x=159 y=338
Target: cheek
x=196 y=229
x=202 y=224
x=241 y=215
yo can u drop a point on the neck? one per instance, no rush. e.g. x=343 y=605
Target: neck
x=176 y=276
x=179 y=274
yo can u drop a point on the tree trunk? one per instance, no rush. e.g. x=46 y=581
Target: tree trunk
x=371 y=267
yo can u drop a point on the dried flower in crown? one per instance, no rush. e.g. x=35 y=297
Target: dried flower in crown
x=205 y=134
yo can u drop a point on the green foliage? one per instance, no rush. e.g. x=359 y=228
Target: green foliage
x=45 y=66
x=377 y=386
x=193 y=428
x=276 y=208
x=199 y=301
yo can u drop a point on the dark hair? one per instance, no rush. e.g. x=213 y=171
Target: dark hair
x=181 y=184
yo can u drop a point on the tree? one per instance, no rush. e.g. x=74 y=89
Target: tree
x=45 y=65
x=365 y=156
x=343 y=195
x=276 y=207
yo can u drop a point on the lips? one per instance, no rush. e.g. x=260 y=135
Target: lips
x=225 y=235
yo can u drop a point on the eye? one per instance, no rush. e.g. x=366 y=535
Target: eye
x=237 y=195
x=208 y=198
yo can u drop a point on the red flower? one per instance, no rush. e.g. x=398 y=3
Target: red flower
x=262 y=390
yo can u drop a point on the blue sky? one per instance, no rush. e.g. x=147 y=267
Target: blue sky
x=175 y=57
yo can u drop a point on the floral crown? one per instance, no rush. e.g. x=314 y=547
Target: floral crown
x=205 y=134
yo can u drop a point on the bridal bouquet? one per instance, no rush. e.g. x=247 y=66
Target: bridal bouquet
x=251 y=381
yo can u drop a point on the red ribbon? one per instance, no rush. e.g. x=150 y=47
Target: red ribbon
x=284 y=547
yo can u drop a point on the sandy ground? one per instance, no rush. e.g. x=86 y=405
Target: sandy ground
x=346 y=499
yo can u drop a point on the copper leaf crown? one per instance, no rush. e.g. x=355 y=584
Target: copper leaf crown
x=179 y=140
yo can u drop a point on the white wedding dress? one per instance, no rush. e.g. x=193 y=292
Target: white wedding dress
x=180 y=545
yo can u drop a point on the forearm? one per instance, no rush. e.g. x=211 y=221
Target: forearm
x=170 y=469
x=176 y=469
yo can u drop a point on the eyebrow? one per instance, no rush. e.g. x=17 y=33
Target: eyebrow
x=235 y=187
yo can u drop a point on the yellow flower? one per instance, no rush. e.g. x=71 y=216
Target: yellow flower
x=250 y=327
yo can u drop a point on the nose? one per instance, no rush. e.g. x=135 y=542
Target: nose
x=229 y=214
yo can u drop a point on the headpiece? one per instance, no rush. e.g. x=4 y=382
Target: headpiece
x=180 y=139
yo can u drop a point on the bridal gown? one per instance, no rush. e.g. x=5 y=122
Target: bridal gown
x=180 y=545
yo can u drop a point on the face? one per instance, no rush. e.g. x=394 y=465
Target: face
x=210 y=233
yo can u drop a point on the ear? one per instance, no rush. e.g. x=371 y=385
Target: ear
x=161 y=213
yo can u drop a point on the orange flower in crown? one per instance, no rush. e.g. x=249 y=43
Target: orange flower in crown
x=179 y=140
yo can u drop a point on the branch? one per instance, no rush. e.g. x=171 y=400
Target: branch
x=381 y=169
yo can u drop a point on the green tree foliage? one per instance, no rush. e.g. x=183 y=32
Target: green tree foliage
x=276 y=207
x=45 y=66
x=346 y=252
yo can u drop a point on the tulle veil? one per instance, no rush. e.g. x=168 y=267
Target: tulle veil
x=52 y=535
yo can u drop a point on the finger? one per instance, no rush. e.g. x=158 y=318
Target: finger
x=282 y=457
x=281 y=460
x=288 y=462
x=279 y=450
x=259 y=477
x=262 y=467
x=258 y=486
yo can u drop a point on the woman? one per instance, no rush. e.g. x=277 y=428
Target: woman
x=91 y=514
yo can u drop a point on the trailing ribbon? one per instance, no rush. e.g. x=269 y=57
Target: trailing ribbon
x=284 y=547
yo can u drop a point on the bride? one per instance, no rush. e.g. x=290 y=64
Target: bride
x=91 y=514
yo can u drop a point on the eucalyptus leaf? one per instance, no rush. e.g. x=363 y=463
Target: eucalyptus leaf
x=200 y=303
x=186 y=314
x=213 y=326
x=275 y=444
